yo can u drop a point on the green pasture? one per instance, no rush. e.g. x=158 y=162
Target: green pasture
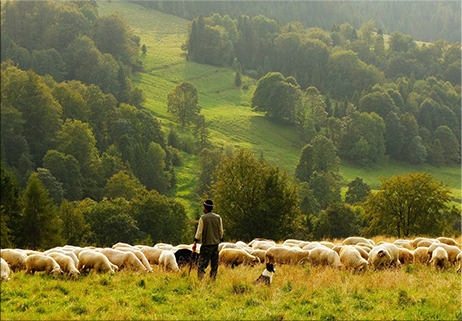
x=298 y=293
x=227 y=109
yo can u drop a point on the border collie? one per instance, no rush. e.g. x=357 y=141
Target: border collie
x=267 y=275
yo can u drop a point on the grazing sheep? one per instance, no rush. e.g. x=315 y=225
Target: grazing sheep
x=337 y=248
x=66 y=263
x=328 y=244
x=366 y=246
x=421 y=255
x=163 y=246
x=286 y=255
x=167 y=261
x=121 y=244
x=353 y=240
x=352 y=260
x=65 y=252
x=236 y=257
x=405 y=255
x=448 y=241
x=124 y=260
x=139 y=254
x=4 y=270
x=452 y=251
x=416 y=241
x=324 y=256
x=261 y=254
x=262 y=245
x=404 y=243
x=362 y=251
x=41 y=262
x=152 y=254
x=385 y=254
x=15 y=258
x=312 y=245
x=439 y=258
x=427 y=242
x=91 y=260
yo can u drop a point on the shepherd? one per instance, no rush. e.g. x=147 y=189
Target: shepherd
x=210 y=234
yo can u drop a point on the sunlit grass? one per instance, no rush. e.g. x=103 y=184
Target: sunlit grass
x=297 y=292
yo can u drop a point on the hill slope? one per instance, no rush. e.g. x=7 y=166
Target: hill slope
x=227 y=108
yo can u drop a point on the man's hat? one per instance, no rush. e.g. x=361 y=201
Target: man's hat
x=208 y=203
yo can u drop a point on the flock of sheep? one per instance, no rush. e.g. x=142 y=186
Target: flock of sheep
x=354 y=253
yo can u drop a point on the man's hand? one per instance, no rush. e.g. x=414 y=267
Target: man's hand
x=194 y=247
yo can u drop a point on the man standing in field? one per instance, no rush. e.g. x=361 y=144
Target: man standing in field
x=210 y=234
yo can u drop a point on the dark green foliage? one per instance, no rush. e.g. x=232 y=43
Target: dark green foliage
x=40 y=225
x=110 y=222
x=277 y=97
x=412 y=204
x=40 y=112
x=144 y=50
x=436 y=154
x=362 y=141
x=357 y=192
x=162 y=218
x=451 y=146
x=249 y=195
x=183 y=103
x=49 y=62
x=337 y=221
x=66 y=169
x=54 y=187
x=326 y=188
x=318 y=156
x=202 y=133
x=75 y=230
x=10 y=207
x=379 y=102
x=173 y=139
x=122 y=185
x=237 y=79
x=206 y=176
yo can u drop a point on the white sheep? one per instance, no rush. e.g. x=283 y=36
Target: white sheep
x=353 y=240
x=448 y=241
x=405 y=255
x=139 y=254
x=352 y=260
x=421 y=255
x=235 y=257
x=4 y=270
x=15 y=258
x=452 y=251
x=91 y=260
x=124 y=259
x=42 y=262
x=286 y=255
x=152 y=254
x=324 y=256
x=167 y=261
x=66 y=263
x=385 y=254
x=439 y=258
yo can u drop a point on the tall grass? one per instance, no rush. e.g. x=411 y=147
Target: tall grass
x=298 y=292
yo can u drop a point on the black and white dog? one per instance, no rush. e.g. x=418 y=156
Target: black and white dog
x=267 y=276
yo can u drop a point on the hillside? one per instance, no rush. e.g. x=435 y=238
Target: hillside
x=227 y=108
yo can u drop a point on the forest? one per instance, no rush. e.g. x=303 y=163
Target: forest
x=84 y=162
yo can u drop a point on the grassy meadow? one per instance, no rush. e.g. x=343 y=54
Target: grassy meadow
x=414 y=292
x=227 y=108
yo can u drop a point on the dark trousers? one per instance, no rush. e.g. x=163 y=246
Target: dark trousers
x=208 y=253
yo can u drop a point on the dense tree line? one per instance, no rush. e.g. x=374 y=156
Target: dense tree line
x=70 y=41
x=423 y=20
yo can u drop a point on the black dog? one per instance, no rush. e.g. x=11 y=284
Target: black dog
x=267 y=275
